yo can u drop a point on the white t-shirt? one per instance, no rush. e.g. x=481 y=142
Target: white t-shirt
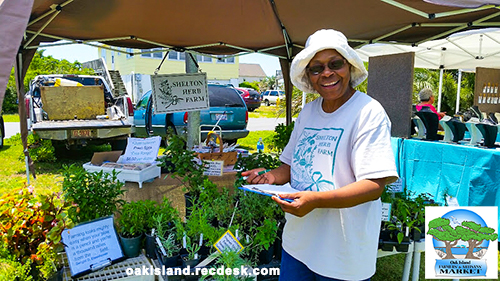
x=327 y=151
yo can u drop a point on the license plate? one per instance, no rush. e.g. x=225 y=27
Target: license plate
x=220 y=116
x=81 y=133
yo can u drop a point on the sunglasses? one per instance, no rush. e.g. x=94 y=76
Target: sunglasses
x=332 y=65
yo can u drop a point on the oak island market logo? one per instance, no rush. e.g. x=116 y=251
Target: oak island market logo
x=465 y=243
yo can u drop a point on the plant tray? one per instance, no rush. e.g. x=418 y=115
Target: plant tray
x=138 y=176
x=115 y=271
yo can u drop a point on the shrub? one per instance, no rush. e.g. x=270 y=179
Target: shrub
x=31 y=227
x=95 y=195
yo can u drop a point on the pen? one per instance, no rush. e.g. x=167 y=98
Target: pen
x=259 y=173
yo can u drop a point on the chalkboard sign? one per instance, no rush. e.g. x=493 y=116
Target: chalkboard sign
x=91 y=246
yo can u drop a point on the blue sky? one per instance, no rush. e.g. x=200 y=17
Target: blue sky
x=83 y=53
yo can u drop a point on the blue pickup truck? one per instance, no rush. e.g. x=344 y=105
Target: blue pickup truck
x=226 y=106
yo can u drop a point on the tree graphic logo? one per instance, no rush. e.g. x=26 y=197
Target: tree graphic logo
x=461 y=239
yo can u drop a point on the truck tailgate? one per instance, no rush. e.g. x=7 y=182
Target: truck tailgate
x=80 y=124
x=82 y=129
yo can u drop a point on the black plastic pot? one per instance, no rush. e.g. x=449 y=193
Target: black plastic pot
x=172 y=261
x=150 y=245
x=266 y=256
x=57 y=276
x=404 y=245
x=187 y=262
x=388 y=246
x=204 y=252
x=415 y=235
x=277 y=245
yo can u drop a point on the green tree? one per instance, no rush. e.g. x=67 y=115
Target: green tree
x=40 y=64
x=441 y=230
x=428 y=78
x=254 y=85
x=268 y=83
x=474 y=234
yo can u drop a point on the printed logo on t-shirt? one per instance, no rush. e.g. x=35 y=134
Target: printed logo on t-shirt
x=314 y=159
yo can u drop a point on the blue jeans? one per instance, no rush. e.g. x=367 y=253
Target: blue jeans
x=294 y=270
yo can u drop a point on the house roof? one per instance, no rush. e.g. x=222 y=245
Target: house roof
x=251 y=70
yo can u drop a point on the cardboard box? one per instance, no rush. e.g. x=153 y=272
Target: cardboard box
x=107 y=156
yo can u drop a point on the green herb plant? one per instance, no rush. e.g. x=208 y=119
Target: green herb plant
x=131 y=222
x=95 y=194
x=31 y=227
x=181 y=163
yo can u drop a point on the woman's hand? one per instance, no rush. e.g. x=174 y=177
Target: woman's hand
x=254 y=177
x=303 y=202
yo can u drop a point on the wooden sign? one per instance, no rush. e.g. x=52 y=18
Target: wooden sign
x=179 y=92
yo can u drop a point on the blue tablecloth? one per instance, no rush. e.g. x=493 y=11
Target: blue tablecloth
x=471 y=174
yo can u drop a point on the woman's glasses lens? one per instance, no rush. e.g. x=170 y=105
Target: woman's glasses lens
x=332 y=65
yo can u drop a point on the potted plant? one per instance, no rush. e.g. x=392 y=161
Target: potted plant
x=32 y=234
x=265 y=235
x=131 y=225
x=191 y=258
x=183 y=165
x=168 y=250
x=230 y=259
x=94 y=195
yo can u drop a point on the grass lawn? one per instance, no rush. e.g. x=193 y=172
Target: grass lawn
x=12 y=175
x=10 y=117
x=263 y=111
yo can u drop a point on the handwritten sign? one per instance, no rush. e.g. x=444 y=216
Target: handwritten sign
x=91 y=244
x=386 y=211
x=396 y=186
x=179 y=92
x=141 y=150
x=214 y=168
x=228 y=243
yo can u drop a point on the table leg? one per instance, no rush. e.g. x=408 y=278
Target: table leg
x=416 y=266
x=406 y=269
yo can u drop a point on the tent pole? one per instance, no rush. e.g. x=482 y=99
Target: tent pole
x=457 y=107
x=193 y=126
x=440 y=88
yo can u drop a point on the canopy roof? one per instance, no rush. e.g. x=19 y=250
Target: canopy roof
x=463 y=50
x=276 y=27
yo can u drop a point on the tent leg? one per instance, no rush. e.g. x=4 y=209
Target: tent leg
x=440 y=89
x=457 y=107
x=27 y=169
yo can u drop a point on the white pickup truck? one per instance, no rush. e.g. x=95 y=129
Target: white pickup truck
x=76 y=110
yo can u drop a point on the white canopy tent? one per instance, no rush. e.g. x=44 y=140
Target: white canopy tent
x=463 y=51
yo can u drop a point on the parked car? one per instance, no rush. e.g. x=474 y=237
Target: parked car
x=272 y=97
x=251 y=98
x=225 y=103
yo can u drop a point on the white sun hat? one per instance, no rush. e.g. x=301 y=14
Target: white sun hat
x=321 y=40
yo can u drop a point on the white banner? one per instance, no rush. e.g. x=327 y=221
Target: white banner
x=179 y=92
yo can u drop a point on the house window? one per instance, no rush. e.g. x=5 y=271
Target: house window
x=174 y=55
x=201 y=58
x=225 y=59
x=157 y=53
x=103 y=54
x=129 y=52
